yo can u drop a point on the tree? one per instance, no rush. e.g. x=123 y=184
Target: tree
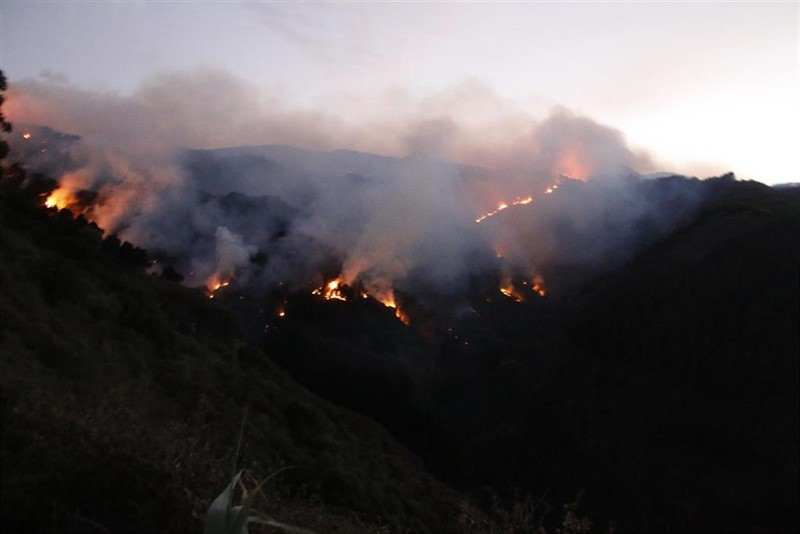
x=5 y=126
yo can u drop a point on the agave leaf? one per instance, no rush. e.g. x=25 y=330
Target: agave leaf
x=240 y=519
x=221 y=513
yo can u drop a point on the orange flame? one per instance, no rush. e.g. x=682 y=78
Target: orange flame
x=214 y=284
x=60 y=198
x=389 y=301
x=404 y=318
x=26 y=135
x=571 y=164
x=508 y=290
x=331 y=290
x=538 y=285
x=504 y=205
x=519 y=201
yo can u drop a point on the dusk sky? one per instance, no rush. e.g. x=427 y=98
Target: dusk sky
x=702 y=87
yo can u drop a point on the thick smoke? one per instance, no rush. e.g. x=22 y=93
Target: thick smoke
x=302 y=208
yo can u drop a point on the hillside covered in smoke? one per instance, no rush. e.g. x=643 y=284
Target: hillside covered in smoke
x=272 y=216
x=151 y=163
x=519 y=303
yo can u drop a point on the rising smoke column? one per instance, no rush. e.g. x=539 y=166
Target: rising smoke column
x=386 y=220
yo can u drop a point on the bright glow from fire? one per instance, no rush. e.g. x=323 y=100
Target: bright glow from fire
x=331 y=291
x=504 y=205
x=519 y=201
x=508 y=290
x=400 y=314
x=538 y=285
x=214 y=284
x=571 y=164
x=60 y=198
x=389 y=301
x=26 y=135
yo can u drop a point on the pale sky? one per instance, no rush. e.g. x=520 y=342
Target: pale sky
x=704 y=87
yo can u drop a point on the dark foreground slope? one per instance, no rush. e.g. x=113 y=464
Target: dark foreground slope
x=682 y=378
x=123 y=394
x=665 y=392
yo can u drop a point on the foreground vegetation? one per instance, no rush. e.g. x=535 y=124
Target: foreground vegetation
x=123 y=393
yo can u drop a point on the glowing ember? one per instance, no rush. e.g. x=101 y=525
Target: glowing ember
x=509 y=291
x=389 y=301
x=331 y=291
x=214 y=284
x=26 y=135
x=60 y=198
x=281 y=313
x=400 y=314
x=538 y=285
x=519 y=201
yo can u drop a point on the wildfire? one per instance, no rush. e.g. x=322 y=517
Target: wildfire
x=26 y=135
x=404 y=318
x=538 y=285
x=389 y=301
x=508 y=290
x=519 y=201
x=504 y=205
x=60 y=198
x=571 y=164
x=331 y=291
x=214 y=284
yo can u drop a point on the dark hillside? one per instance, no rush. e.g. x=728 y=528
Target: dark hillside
x=667 y=390
x=683 y=373
x=123 y=393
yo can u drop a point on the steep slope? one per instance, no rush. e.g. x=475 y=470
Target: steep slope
x=123 y=394
x=683 y=373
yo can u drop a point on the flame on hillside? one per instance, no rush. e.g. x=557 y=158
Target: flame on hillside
x=60 y=198
x=331 y=291
x=538 y=285
x=519 y=201
x=573 y=164
x=214 y=284
x=389 y=301
x=507 y=289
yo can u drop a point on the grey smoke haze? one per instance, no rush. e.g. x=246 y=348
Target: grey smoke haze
x=405 y=217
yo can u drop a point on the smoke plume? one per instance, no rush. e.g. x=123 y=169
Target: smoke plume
x=228 y=181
